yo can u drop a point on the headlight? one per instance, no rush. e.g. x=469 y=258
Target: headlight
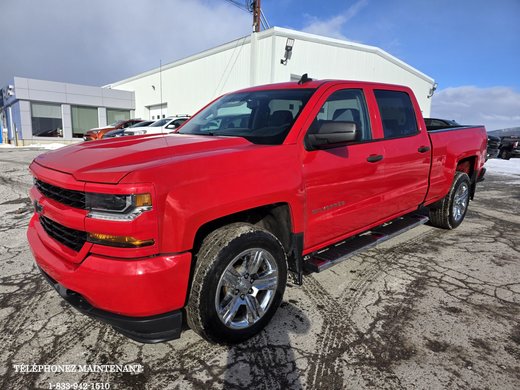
x=117 y=207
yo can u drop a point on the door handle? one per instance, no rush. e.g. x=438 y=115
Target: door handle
x=374 y=158
x=423 y=149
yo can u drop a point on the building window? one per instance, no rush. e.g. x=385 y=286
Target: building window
x=46 y=120
x=83 y=119
x=114 y=116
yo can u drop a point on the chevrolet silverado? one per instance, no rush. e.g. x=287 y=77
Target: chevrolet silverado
x=265 y=183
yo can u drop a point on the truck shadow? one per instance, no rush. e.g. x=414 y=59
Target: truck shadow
x=268 y=359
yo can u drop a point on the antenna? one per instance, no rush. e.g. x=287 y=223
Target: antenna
x=305 y=79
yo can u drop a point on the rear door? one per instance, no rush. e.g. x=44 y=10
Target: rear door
x=407 y=151
x=342 y=184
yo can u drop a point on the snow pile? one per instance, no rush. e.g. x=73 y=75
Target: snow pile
x=503 y=167
x=6 y=146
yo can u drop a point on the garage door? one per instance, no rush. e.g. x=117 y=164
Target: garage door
x=158 y=111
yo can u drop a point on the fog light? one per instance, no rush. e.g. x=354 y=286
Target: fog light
x=118 y=241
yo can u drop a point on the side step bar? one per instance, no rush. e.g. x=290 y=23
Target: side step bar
x=328 y=257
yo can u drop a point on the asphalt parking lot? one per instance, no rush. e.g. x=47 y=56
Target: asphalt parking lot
x=429 y=309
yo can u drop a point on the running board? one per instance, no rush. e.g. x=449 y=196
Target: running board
x=332 y=255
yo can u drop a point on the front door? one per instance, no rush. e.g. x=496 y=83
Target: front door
x=343 y=190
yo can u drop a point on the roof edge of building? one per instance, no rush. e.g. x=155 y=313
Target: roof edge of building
x=285 y=32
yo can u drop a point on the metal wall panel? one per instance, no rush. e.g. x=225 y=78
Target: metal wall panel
x=190 y=83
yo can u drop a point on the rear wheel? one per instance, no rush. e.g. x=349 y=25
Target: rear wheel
x=238 y=283
x=451 y=210
x=504 y=154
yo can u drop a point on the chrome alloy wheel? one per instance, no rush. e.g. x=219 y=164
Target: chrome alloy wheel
x=460 y=202
x=246 y=288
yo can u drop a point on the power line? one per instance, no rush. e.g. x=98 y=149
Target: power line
x=243 y=7
x=249 y=6
x=264 y=20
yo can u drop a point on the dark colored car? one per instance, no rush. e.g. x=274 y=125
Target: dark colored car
x=438 y=124
x=493 y=146
x=510 y=147
x=121 y=132
x=98 y=133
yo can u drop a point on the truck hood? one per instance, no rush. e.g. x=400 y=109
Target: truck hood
x=109 y=160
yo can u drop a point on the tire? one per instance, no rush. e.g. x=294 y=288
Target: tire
x=504 y=154
x=233 y=297
x=451 y=210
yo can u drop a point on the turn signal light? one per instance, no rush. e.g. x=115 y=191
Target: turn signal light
x=142 y=200
x=119 y=241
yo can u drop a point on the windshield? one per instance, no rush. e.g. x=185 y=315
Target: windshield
x=116 y=123
x=160 y=122
x=141 y=124
x=263 y=117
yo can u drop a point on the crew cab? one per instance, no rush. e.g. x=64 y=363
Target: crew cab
x=264 y=183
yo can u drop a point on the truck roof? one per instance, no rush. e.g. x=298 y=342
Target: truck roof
x=314 y=84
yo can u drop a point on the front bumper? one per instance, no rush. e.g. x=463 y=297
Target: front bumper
x=151 y=329
x=117 y=291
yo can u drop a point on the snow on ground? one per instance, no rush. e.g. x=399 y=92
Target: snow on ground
x=52 y=146
x=503 y=167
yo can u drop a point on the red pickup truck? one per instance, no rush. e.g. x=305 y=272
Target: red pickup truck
x=263 y=183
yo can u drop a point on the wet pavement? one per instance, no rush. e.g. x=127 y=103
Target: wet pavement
x=428 y=309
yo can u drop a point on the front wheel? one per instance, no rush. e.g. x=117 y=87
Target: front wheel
x=238 y=283
x=451 y=210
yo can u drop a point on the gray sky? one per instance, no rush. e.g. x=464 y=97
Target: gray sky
x=96 y=42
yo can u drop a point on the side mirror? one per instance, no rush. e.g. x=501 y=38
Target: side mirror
x=171 y=126
x=332 y=134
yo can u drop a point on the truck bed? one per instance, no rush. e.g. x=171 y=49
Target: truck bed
x=450 y=146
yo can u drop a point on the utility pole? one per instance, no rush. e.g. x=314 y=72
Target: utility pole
x=257 y=24
x=257 y=14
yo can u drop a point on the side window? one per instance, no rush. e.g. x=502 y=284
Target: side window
x=346 y=105
x=397 y=113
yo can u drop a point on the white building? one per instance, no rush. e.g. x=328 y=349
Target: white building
x=184 y=86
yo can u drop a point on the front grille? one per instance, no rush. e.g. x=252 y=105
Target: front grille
x=69 y=197
x=72 y=238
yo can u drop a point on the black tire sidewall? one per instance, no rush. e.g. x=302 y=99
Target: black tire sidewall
x=460 y=179
x=210 y=320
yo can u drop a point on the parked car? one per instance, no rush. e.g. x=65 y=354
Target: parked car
x=164 y=125
x=209 y=222
x=99 y=132
x=493 y=146
x=121 y=132
x=509 y=147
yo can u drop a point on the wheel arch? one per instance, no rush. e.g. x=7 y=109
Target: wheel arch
x=468 y=165
x=276 y=218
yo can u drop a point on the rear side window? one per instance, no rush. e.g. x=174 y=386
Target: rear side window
x=397 y=113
